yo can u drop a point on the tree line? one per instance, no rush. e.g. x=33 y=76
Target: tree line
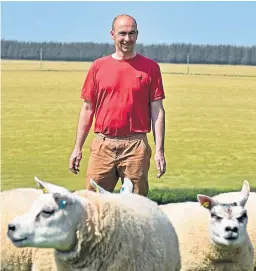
x=169 y=53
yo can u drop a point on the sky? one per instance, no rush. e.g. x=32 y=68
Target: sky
x=158 y=22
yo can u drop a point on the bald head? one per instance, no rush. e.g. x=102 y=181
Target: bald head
x=124 y=33
x=123 y=16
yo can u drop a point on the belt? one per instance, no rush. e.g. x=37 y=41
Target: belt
x=129 y=137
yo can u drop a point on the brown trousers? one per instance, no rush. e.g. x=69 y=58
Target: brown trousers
x=114 y=157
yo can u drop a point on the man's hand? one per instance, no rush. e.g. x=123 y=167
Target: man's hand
x=160 y=163
x=74 y=161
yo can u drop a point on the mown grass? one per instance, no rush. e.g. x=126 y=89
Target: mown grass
x=210 y=126
x=197 y=69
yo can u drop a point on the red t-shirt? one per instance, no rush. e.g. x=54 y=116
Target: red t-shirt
x=121 y=91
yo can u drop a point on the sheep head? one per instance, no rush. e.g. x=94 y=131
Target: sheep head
x=228 y=221
x=51 y=222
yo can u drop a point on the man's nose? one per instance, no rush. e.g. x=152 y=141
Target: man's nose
x=127 y=37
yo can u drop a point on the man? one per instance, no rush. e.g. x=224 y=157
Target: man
x=124 y=92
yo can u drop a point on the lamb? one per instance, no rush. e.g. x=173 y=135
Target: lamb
x=109 y=232
x=250 y=206
x=225 y=245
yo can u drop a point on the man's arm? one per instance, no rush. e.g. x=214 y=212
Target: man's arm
x=84 y=125
x=158 y=127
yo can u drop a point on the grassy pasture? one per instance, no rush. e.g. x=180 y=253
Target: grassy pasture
x=25 y=65
x=210 y=125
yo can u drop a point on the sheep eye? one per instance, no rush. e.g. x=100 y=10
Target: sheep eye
x=47 y=213
x=241 y=218
x=216 y=217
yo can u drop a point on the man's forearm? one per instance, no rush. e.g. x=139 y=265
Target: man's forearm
x=158 y=126
x=84 y=124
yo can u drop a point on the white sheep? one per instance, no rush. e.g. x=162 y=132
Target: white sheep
x=250 y=206
x=110 y=232
x=15 y=202
x=220 y=243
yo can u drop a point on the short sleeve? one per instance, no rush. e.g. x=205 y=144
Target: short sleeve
x=156 y=90
x=90 y=87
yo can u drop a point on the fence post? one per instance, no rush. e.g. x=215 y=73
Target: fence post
x=41 y=57
x=187 y=63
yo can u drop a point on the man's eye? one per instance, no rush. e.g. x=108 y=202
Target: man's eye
x=125 y=33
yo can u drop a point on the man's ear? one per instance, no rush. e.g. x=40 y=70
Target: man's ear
x=112 y=34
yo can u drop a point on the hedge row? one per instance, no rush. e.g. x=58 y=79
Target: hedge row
x=164 y=196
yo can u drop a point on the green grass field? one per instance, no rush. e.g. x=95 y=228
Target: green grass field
x=210 y=125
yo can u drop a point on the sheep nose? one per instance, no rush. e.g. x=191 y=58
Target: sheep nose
x=11 y=227
x=235 y=229
x=228 y=229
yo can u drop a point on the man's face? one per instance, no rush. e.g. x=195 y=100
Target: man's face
x=124 y=34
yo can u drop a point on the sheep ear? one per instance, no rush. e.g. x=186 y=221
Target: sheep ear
x=98 y=188
x=245 y=192
x=62 y=200
x=127 y=186
x=50 y=188
x=206 y=202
